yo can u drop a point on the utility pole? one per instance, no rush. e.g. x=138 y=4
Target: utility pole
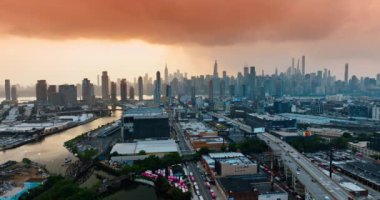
x=331 y=159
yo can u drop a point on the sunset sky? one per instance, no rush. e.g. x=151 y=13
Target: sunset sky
x=64 y=41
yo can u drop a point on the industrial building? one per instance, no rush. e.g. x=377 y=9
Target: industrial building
x=228 y=164
x=141 y=123
x=270 y=122
x=155 y=147
x=251 y=187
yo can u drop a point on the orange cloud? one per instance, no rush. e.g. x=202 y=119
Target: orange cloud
x=211 y=22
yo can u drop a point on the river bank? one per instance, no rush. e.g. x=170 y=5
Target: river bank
x=50 y=151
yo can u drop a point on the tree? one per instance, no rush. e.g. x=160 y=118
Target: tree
x=232 y=147
x=142 y=152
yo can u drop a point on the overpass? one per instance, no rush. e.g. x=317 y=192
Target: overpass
x=316 y=183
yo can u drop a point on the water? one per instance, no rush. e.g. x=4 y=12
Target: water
x=50 y=151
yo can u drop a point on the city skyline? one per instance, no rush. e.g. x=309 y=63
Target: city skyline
x=49 y=41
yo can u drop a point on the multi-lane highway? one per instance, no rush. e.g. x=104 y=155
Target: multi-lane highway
x=315 y=181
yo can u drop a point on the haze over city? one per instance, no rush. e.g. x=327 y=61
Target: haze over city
x=64 y=41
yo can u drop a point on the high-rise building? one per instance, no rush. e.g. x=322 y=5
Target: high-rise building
x=88 y=95
x=68 y=93
x=346 y=74
x=157 y=90
x=210 y=90
x=123 y=89
x=105 y=85
x=7 y=90
x=52 y=89
x=113 y=91
x=14 y=93
x=216 y=69
x=166 y=75
x=193 y=99
x=140 y=88
x=252 y=83
x=41 y=91
x=303 y=65
x=131 y=93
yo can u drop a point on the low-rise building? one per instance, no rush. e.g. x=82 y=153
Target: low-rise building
x=154 y=147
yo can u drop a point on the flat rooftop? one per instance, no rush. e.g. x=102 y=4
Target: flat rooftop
x=145 y=112
x=366 y=170
x=286 y=134
x=225 y=155
x=237 y=161
x=269 y=117
x=149 y=146
x=246 y=183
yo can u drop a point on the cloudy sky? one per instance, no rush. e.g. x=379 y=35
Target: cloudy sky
x=65 y=41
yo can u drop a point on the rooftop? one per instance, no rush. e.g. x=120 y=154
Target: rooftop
x=247 y=183
x=237 y=161
x=149 y=146
x=225 y=155
x=145 y=112
x=269 y=117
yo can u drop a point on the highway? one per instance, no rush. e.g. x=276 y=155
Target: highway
x=314 y=180
x=243 y=127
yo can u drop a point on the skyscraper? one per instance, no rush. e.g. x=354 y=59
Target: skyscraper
x=14 y=93
x=157 y=90
x=113 y=91
x=52 y=89
x=252 y=83
x=7 y=89
x=140 y=88
x=68 y=94
x=105 y=85
x=123 y=89
x=131 y=93
x=216 y=69
x=346 y=74
x=210 y=90
x=88 y=95
x=303 y=65
x=166 y=75
x=41 y=91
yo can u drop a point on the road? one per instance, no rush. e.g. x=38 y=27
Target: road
x=183 y=144
x=322 y=185
x=204 y=191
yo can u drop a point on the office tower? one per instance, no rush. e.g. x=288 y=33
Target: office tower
x=193 y=99
x=276 y=72
x=131 y=93
x=7 y=90
x=123 y=89
x=166 y=75
x=113 y=91
x=232 y=90
x=210 y=90
x=157 y=90
x=303 y=65
x=87 y=91
x=41 y=91
x=222 y=89
x=168 y=91
x=346 y=74
x=52 y=89
x=252 y=83
x=244 y=90
x=378 y=79
x=105 y=85
x=68 y=94
x=14 y=93
x=216 y=69
x=140 y=88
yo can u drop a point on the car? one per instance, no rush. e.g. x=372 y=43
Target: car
x=298 y=173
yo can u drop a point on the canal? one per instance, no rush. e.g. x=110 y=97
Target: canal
x=50 y=150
